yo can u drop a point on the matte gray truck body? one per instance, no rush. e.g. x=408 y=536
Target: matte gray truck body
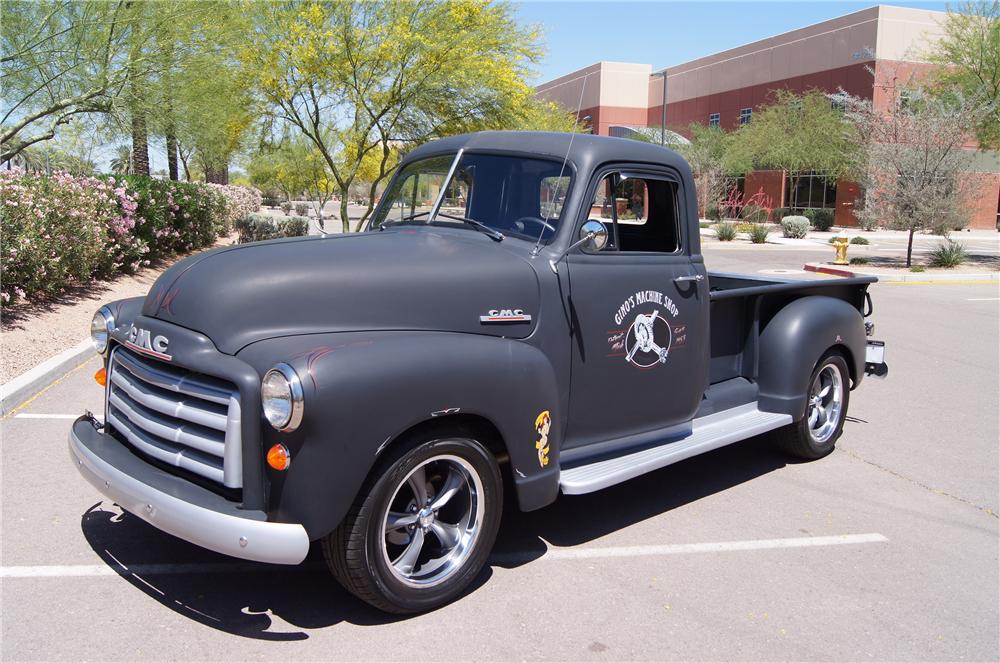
x=636 y=359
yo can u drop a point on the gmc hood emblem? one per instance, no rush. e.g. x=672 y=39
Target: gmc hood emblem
x=141 y=340
x=504 y=315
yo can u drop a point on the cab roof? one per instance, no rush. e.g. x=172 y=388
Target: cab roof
x=584 y=151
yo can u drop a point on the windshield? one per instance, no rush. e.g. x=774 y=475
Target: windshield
x=517 y=195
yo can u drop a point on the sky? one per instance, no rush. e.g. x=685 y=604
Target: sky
x=577 y=34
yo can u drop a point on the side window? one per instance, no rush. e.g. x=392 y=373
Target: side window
x=640 y=213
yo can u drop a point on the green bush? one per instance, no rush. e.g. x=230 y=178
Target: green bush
x=859 y=261
x=259 y=227
x=782 y=212
x=302 y=209
x=759 y=232
x=704 y=224
x=861 y=241
x=713 y=213
x=725 y=231
x=918 y=268
x=795 y=227
x=948 y=254
x=286 y=207
x=754 y=214
x=821 y=219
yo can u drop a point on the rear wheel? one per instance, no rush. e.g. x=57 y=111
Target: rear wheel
x=422 y=526
x=816 y=433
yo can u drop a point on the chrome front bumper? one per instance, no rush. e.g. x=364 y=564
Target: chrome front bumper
x=179 y=507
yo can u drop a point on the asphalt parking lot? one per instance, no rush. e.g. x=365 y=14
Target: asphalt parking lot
x=885 y=550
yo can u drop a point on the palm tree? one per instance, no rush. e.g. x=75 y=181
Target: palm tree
x=122 y=163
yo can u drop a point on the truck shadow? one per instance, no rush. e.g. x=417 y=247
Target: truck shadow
x=268 y=602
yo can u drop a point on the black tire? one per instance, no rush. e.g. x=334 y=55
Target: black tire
x=359 y=552
x=806 y=438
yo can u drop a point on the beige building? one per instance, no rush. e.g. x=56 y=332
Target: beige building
x=859 y=53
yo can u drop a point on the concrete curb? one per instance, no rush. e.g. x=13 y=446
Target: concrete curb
x=918 y=277
x=29 y=383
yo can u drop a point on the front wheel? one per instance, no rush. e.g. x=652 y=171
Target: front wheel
x=421 y=528
x=816 y=433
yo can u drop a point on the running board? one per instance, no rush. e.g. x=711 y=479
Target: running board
x=707 y=433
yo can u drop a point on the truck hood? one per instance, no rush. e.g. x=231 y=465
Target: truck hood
x=428 y=279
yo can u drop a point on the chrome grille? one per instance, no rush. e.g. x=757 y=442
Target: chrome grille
x=178 y=417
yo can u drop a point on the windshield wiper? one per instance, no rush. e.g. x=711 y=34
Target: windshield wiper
x=391 y=222
x=479 y=225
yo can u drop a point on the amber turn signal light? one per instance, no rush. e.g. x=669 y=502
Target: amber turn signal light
x=101 y=377
x=278 y=457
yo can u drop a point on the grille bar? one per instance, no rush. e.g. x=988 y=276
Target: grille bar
x=187 y=420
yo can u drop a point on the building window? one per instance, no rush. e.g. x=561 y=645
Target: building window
x=745 y=114
x=714 y=120
x=810 y=190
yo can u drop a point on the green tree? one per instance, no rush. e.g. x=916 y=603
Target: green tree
x=798 y=133
x=357 y=79
x=969 y=55
x=914 y=160
x=712 y=160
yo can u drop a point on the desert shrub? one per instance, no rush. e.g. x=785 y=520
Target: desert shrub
x=859 y=261
x=713 y=212
x=286 y=207
x=948 y=254
x=259 y=227
x=782 y=212
x=302 y=209
x=795 y=227
x=821 y=219
x=859 y=240
x=754 y=214
x=758 y=233
x=918 y=268
x=704 y=224
x=725 y=231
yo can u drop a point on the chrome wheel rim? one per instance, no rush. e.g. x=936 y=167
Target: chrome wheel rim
x=432 y=523
x=826 y=401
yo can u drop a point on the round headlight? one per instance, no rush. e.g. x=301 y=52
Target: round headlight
x=101 y=327
x=281 y=397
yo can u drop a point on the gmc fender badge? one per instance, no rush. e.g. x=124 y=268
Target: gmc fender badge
x=500 y=315
x=141 y=340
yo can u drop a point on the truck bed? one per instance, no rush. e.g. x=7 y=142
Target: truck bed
x=741 y=305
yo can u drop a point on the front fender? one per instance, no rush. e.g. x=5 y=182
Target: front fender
x=362 y=390
x=793 y=342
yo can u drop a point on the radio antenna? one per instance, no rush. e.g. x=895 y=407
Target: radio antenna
x=562 y=169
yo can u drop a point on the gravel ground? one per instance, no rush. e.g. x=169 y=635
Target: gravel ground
x=33 y=333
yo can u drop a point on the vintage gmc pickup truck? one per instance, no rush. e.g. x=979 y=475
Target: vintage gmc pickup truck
x=526 y=310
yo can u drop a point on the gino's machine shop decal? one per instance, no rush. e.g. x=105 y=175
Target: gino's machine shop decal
x=648 y=329
x=543 y=423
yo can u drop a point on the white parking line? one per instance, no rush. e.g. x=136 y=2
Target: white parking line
x=983 y=299
x=96 y=570
x=27 y=415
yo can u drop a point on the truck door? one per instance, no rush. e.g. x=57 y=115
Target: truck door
x=638 y=312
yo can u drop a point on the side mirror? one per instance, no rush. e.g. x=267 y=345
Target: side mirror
x=593 y=236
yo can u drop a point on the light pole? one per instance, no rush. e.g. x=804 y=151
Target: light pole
x=663 y=111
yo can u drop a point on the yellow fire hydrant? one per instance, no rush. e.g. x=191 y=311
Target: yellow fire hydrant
x=840 y=244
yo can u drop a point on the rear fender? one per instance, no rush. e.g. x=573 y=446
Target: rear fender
x=794 y=341
x=363 y=390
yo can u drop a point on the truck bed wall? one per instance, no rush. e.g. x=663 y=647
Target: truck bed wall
x=742 y=306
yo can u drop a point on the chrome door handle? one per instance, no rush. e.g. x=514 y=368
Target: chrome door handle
x=696 y=278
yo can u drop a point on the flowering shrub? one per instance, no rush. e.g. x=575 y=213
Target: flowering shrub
x=61 y=229
x=241 y=202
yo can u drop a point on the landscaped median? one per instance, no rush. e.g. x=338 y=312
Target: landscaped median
x=60 y=230
x=71 y=243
